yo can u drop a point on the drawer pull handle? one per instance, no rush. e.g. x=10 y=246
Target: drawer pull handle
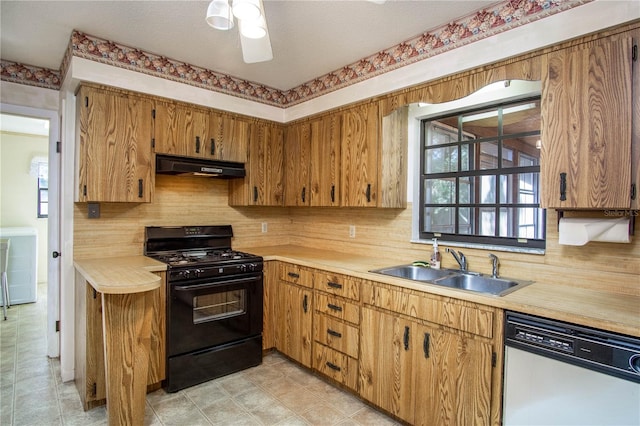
x=563 y=186
x=334 y=285
x=197 y=144
x=426 y=344
x=406 y=338
x=305 y=304
x=213 y=146
x=333 y=333
x=294 y=275
x=334 y=307
x=333 y=366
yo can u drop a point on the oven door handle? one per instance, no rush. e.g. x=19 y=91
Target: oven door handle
x=215 y=284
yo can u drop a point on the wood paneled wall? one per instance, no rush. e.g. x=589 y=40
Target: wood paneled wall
x=177 y=201
x=387 y=233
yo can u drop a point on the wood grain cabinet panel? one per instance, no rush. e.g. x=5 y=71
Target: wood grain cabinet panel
x=339 y=285
x=114 y=131
x=89 y=344
x=337 y=335
x=181 y=130
x=264 y=183
x=228 y=137
x=325 y=161
x=338 y=307
x=297 y=147
x=585 y=160
x=336 y=365
x=359 y=156
x=296 y=274
x=294 y=323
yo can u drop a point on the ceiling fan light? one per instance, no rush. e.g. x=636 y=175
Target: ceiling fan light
x=247 y=9
x=253 y=28
x=219 y=15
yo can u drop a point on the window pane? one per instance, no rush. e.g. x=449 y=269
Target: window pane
x=521 y=117
x=487 y=221
x=439 y=191
x=521 y=222
x=524 y=150
x=44 y=210
x=487 y=189
x=488 y=155
x=441 y=160
x=520 y=188
x=439 y=219
x=44 y=195
x=482 y=124
x=466 y=162
x=465 y=220
x=439 y=133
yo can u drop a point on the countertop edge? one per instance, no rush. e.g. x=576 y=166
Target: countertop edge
x=120 y=275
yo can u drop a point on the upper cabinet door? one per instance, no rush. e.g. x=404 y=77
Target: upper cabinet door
x=359 y=178
x=181 y=130
x=228 y=138
x=297 y=147
x=114 y=132
x=325 y=161
x=585 y=161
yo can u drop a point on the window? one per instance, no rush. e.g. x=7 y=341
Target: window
x=43 y=189
x=480 y=174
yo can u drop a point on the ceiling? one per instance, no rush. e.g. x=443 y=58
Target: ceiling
x=309 y=38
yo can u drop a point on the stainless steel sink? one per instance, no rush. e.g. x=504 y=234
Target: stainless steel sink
x=454 y=279
x=415 y=273
x=481 y=284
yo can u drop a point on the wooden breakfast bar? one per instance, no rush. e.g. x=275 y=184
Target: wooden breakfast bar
x=126 y=286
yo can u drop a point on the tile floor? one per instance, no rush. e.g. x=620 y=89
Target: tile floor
x=277 y=392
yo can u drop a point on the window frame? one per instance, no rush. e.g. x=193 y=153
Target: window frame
x=498 y=204
x=42 y=189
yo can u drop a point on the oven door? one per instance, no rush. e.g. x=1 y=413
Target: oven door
x=202 y=314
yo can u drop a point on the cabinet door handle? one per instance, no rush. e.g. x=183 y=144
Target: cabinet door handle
x=426 y=344
x=333 y=366
x=334 y=307
x=333 y=193
x=334 y=285
x=563 y=186
x=333 y=333
x=84 y=190
x=213 y=146
x=406 y=338
x=140 y=188
x=293 y=275
x=368 y=193
x=255 y=194
x=197 y=144
x=305 y=304
x=304 y=193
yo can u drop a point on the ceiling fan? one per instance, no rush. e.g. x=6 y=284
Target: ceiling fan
x=252 y=26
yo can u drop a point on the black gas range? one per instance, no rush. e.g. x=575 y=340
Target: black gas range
x=214 y=302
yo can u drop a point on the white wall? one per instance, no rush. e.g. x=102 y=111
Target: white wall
x=18 y=189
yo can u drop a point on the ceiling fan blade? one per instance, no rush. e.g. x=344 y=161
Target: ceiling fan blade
x=256 y=49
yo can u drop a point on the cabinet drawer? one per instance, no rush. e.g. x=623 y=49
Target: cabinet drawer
x=457 y=314
x=337 y=307
x=336 y=365
x=337 y=335
x=296 y=274
x=337 y=284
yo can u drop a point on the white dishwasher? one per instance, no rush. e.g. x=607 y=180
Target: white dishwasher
x=558 y=373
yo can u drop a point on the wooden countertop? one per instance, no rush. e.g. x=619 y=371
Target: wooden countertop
x=121 y=275
x=607 y=311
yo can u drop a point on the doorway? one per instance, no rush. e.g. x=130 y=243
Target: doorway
x=30 y=199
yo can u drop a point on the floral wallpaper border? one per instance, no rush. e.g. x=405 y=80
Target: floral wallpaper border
x=477 y=26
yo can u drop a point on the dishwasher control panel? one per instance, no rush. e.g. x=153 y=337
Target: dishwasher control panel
x=610 y=353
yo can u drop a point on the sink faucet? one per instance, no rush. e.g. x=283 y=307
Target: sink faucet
x=495 y=262
x=460 y=258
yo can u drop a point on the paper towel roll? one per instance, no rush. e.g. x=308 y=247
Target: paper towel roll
x=578 y=232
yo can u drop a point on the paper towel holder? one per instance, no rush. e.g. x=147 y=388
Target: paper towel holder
x=632 y=220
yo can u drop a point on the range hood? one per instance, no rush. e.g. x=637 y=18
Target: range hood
x=184 y=166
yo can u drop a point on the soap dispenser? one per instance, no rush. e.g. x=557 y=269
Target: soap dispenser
x=435 y=257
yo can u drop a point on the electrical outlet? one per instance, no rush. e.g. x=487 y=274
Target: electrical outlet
x=264 y=227
x=352 y=231
x=93 y=210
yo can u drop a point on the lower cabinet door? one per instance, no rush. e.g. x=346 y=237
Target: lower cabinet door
x=293 y=330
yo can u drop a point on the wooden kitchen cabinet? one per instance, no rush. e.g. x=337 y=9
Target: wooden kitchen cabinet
x=325 y=161
x=359 y=156
x=294 y=313
x=297 y=151
x=228 y=137
x=428 y=359
x=114 y=132
x=89 y=344
x=263 y=185
x=181 y=130
x=585 y=160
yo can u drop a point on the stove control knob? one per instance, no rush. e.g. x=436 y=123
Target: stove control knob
x=184 y=274
x=198 y=272
x=243 y=268
x=253 y=267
